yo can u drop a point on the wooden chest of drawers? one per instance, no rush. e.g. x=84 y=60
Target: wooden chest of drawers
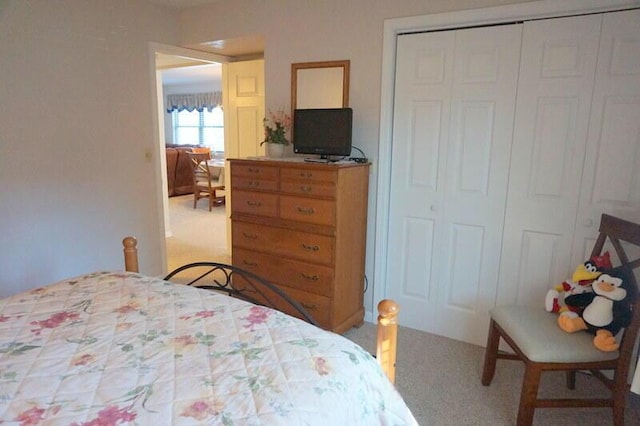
x=302 y=226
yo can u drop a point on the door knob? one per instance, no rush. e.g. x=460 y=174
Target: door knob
x=434 y=208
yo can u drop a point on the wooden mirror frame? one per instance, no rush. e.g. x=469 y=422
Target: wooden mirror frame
x=345 y=64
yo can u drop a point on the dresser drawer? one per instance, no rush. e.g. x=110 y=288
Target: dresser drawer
x=257 y=171
x=310 y=174
x=251 y=183
x=312 y=189
x=292 y=244
x=319 y=307
x=261 y=204
x=321 y=212
x=291 y=273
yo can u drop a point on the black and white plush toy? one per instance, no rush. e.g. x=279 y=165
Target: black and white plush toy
x=604 y=312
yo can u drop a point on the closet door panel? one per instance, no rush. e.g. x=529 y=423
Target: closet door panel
x=483 y=99
x=420 y=135
x=611 y=182
x=558 y=63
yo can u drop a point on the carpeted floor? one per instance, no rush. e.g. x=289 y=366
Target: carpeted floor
x=439 y=378
x=197 y=234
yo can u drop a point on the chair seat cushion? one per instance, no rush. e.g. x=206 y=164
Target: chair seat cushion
x=538 y=336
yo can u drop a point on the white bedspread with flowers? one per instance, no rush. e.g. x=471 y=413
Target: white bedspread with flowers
x=113 y=348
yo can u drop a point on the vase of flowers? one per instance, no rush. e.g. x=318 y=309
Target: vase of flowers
x=276 y=127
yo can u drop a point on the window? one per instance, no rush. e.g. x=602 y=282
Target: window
x=199 y=128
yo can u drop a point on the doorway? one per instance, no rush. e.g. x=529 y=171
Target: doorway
x=242 y=80
x=196 y=232
x=190 y=234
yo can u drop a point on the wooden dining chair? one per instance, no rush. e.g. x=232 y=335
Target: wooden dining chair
x=536 y=339
x=205 y=185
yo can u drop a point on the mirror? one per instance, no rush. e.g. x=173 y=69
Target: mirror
x=319 y=85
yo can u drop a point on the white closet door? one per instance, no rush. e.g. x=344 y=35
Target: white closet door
x=611 y=182
x=558 y=63
x=424 y=75
x=453 y=118
x=481 y=130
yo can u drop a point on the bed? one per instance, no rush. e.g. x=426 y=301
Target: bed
x=118 y=347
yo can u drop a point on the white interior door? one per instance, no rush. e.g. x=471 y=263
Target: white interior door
x=453 y=118
x=243 y=104
x=611 y=182
x=424 y=75
x=558 y=63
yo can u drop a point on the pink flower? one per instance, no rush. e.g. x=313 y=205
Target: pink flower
x=321 y=366
x=110 y=416
x=199 y=410
x=184 y=343
x=124 y=326
x=32 y=416
x=257 y=315
x=83 y=359
x=205 y=314
x=54 y=321
x=129 y=307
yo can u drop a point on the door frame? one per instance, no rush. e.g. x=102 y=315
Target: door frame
x=158 y=153
x=441 y=21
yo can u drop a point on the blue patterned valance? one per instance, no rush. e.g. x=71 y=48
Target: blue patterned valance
x=194 y=101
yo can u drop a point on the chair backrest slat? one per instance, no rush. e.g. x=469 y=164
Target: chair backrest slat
x=618 y=230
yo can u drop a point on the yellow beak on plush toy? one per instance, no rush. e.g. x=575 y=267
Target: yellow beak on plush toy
x=584 y=273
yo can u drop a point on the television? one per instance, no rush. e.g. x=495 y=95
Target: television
x=322 y=131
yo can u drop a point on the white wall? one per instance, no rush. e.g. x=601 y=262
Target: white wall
x=75 y=179
x=303 y=31
x=75 y=133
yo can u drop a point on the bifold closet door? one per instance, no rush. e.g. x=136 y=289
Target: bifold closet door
x=611 y=179
x=558 y=63
x=453 y=120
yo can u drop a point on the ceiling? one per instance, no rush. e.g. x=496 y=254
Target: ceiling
x=240 y=47
x=179 y=70
x=207 y=73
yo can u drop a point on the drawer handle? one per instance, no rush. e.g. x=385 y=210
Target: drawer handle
x=306 y=174
x=311 y=307
x=254 y=183
x=307 y=247
x=309 y=277
x=254 y=203
x=249 y=236
x=306 y=189
x=252 y=170
x=306 y=210
x=247 y=263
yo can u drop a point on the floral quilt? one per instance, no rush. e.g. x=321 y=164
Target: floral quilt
x=113 y=348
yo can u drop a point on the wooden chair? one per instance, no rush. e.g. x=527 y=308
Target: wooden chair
x=205 y=184
x=537 y=340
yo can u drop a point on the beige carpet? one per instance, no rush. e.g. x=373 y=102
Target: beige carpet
x=197 y=234
x=439 y=378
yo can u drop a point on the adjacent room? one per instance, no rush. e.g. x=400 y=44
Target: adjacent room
x=392 y=205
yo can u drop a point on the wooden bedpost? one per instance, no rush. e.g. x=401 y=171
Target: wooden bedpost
x=130 y=254
x=387 y=337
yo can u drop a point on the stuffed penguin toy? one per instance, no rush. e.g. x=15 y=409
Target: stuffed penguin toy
x=604 y=312
x=580 y=282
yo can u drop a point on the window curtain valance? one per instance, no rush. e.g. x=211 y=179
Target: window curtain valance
x=194 y=101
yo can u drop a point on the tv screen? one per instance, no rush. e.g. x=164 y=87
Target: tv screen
x=325 y=131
